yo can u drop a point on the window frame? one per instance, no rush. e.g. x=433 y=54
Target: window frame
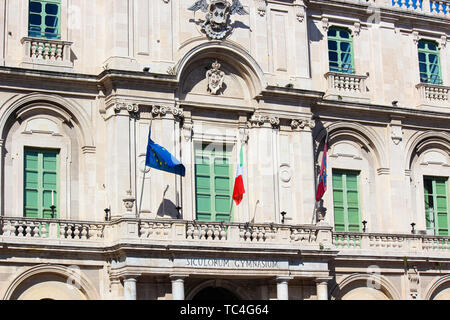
x=345 y=172
x=436 y=228
x=42 y=33
x=227 y=152
x=338 y=51
x=428 y=65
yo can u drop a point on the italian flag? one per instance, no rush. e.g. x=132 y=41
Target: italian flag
x=238 y=191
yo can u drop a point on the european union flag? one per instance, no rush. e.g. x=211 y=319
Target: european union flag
x=159 y=158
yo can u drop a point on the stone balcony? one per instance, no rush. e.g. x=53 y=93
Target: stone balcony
x=377 y=244
x=433 y=95
x=439 y=8
x=346 y=87
x=162 y=231
x=46 y=54
x=196 y=235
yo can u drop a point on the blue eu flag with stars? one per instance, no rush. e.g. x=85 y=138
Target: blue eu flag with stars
x=159 y=158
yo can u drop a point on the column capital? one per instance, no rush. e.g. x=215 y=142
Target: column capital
x=322 y=279
x=284 y=278
x=175 y=277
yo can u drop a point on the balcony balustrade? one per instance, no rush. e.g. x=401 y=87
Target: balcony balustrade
x=41 y=53
x=346 y=86
x=395 y=243
x=433 y=94
x=197 y=233
x=434 y=7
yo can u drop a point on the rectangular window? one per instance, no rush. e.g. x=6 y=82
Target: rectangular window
x=340 y=50
x=346 y=201
x=429 y=62
x=436 y=204
x=44 y=19
x=213 y=182
x=41 y=183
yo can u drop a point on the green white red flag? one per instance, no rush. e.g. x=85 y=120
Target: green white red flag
x=238 y=191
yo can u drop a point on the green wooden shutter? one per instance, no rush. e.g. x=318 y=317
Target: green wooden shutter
x=340 y=50
x=213 y=183
x=429 y=62
x=436 y=204
x=347 y=216
x=41 y=179
x=44 y=19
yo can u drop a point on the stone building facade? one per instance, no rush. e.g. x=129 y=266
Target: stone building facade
x=82 y=82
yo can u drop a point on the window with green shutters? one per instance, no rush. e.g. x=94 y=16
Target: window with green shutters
x=213 y=182
x=347 y=215
x=340 y=50
x=429 y=62
x=41 y=183
x=44 y=19
x=436 y=204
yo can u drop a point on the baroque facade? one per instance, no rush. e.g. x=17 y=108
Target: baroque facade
x=82 y=83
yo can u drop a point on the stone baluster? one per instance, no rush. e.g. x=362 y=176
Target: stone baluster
x=70 y=230
x=189 y=231
x=223 y=234
x=59 y=49
x=13 y=227
x=5 y=228
x=20 y=229
x=34 y=49
x=83 y=233
x=216 y=234
x=196 y=232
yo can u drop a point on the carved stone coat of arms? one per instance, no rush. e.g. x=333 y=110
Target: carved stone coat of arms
x=215 y=78
x=218 y=12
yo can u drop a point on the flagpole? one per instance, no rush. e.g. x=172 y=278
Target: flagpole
x=314 y=215
x=143 y=178
x=316 y=202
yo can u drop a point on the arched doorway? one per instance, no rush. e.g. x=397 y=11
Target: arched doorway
x=215 y=293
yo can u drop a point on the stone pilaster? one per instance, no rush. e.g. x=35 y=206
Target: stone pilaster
x=262 y=166
x=120 y=174
x=166 y=187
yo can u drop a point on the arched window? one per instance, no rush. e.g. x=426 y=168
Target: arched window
x=429 y=62
x=44 y=19
x=340 y=50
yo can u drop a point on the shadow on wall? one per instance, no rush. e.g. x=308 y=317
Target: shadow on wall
x=168 y=209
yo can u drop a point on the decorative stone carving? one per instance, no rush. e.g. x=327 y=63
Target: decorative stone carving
x=218 y=12
x=300 y=13
x=215 y=78
x=187 y=131
x=416 y=37
x=396 y=134
x=443 y=42
x=413 y=277
x=301 y=124
x=325 y=24
x=132 y=108
x=258 y=120
x=129 y=201
x=356 y=28
x=261 y=7
x=162 y=111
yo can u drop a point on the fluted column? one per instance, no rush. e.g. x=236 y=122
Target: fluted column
x=177 y=286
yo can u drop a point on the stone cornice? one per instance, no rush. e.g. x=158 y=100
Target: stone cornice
x=389 y=12
x=383 y=109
